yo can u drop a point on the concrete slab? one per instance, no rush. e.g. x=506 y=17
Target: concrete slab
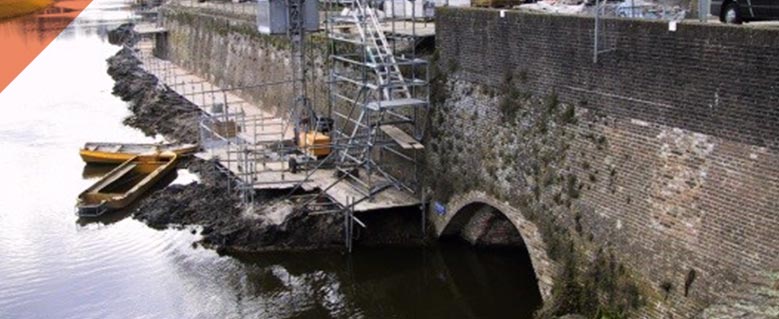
x=410 y=29
x=148 y=28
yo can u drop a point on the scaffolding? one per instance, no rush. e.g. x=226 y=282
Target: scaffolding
x=256 y=148
x=250 y=145
x=378 y=100
x=378 y=103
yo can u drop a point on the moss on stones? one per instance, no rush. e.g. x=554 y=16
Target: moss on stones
x=520 y=154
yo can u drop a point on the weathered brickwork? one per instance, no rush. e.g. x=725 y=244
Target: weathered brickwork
x=674 y=144
x=665 y=152
x=475 y=203
x=227 y=50
x=675 y=201
x=711 y=79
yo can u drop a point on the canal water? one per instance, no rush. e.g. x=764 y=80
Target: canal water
x=54 y=266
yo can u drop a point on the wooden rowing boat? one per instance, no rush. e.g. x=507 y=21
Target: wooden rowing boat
x=116 y=153
x=122 y=185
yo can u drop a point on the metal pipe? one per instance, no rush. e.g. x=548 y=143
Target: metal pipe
x=596 y=32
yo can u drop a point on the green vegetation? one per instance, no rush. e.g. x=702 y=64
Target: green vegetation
x=529 y=149
x=16 y=8
x=512 y=98
x=598 y=288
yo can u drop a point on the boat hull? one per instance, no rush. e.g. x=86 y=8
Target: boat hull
x=95 y=157
x=124 y=184
x=116 y=153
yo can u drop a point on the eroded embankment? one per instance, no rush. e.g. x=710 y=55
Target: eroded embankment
x=156 y=109
x=123 y=35
x=227 y=226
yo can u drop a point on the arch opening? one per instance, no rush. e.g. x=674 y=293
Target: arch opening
x=481 y=224
x=486 y=227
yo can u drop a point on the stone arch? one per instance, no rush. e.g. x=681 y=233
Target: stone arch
x=462 y=209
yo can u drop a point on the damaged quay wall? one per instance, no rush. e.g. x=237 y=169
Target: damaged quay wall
x=227 y=50
x=658 y=166
x=650 y=178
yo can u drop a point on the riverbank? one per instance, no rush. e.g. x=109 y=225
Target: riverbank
x=226 y=226
x=274 y=225
x=154 y=109
x=123 y=35
x=17 y=8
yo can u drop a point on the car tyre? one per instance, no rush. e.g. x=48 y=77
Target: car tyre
x=731 y=14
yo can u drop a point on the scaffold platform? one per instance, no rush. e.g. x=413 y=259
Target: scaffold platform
x=262 y=128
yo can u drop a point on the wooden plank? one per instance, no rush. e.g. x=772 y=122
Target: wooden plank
x=402 y=138
x=391 y=104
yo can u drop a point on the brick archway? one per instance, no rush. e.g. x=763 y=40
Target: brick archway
x=461 y=209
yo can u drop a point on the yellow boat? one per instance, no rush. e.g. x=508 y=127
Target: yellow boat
x=122 y=185
x=116 y=153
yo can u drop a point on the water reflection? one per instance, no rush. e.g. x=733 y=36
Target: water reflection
x=96 y=171
x=447 y=281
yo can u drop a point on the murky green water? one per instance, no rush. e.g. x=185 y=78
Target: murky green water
x=51 y=266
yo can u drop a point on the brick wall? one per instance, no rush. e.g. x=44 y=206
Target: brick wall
x=711 y=79
x=674 y=143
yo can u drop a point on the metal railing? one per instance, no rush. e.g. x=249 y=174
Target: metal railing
x=604 y=41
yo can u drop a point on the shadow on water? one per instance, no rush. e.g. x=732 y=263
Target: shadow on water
x=95 y=171
x=448 y=280
x=492 y=282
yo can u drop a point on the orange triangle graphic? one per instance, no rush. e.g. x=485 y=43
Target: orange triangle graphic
x=27 y=27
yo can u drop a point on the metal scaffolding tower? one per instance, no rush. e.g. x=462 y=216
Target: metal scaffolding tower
x=378 y=101
x=378 y=104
